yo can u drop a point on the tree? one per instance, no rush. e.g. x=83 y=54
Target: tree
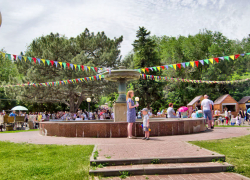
x=8 y=72
x=145 y=55
x=87 y=49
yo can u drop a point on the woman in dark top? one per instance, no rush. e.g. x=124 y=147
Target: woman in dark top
x=198 y=105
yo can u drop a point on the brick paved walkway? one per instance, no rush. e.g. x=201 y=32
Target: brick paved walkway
x=122 y=148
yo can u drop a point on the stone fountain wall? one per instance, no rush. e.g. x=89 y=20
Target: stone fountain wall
x=119 y=129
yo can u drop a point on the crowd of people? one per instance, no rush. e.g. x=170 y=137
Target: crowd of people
x=100 y=114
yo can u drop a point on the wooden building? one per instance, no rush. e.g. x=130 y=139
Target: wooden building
x=244 y=103
x=226 y=101
x=191 y=104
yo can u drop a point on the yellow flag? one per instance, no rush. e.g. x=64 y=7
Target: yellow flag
x=192 y=63
x=88 y=68
x=159 y=68
x=100 y=76
x=43 y=60
x=101 y=69
x=25 y=58
x=143 y=70
x=174 y=65
x=232 y=57
x=211 y=60
x=60 y=63
x=75 y=66
x=3 y=54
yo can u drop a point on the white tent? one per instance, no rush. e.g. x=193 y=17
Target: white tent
x=19 y=108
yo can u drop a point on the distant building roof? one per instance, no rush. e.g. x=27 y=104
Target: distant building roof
x=221 y=99
x=194 y=100
x=244 y=100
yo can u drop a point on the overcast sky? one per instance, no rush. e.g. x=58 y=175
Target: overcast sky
x=24 y=20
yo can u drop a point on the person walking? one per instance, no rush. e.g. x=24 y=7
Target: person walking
x=206 y=107
x=131 y=114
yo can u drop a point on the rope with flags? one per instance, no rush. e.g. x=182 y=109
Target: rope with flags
x=192 y=63
x=158 y=78
x=53 y=63
x=57 y=83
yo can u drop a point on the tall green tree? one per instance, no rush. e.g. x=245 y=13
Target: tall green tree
x=87 y=48
x=145 y=55
x=8 y=73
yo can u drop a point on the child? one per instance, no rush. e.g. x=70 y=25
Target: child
x=226 y=116
x=238 y=119
x=145 y=123
x=193 y=115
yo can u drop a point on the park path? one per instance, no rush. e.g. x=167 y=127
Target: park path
x=124 y=148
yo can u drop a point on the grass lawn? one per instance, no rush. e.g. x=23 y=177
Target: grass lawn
x=230 y=126
x=236 y=150
x=16 y=131
x=31 y=161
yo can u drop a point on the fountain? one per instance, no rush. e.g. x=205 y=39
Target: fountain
x=121 y=76
x=118 y=126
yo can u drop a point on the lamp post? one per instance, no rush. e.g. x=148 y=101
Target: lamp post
x=136 y=99
x=88 y=100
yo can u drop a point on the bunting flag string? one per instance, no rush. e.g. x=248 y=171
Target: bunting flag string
x=192 y=63
x=53 y=63
x=63 y=82
x=153 y=77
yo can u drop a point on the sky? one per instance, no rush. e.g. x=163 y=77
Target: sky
x=25 y=20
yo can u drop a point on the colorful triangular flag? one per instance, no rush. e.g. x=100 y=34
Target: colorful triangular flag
x=202 y=62
x=211 y=60
x=232 y=57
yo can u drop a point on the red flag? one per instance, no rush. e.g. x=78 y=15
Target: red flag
x=216 y=59
x=60 y=82
x=236 y=56
x=68 y=81
x=197 y=63
x=14 y=56
x=34 y=59
x=144 y=76
x=85 y=79
x=68 y=64
x=95 y=77
x=95 y=69
x=179 y=66
x=146 y=69
x=76 y=80
x=82 y=67
x=52 y=62
x=162 y=67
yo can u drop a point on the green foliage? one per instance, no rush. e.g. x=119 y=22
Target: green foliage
x=155 y=161
x=206 y=44
x=87 y=48
x=8 y=73
x=30 y=161
x=124 y=174
x=236 y=150
x=145 y=55
x=96 y=154
x=17 y=131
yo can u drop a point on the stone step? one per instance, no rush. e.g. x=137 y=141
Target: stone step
x=190 y=159
x=196 y=176
x=170 y=168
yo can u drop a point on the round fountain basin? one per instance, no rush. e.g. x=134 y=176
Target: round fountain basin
x=109 y=128
x=127 y=74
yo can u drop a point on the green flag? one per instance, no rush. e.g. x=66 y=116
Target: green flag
x=187 y=64
x=48 y=62
x=154 y=68
x=247 y=53
x=64 y=65
x=170 y=66
x=226 y=57
x=9 y=56
x=206 y=61
x=79 y=67
x=29 y=58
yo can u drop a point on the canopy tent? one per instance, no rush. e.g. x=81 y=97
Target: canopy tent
x=19 y=108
